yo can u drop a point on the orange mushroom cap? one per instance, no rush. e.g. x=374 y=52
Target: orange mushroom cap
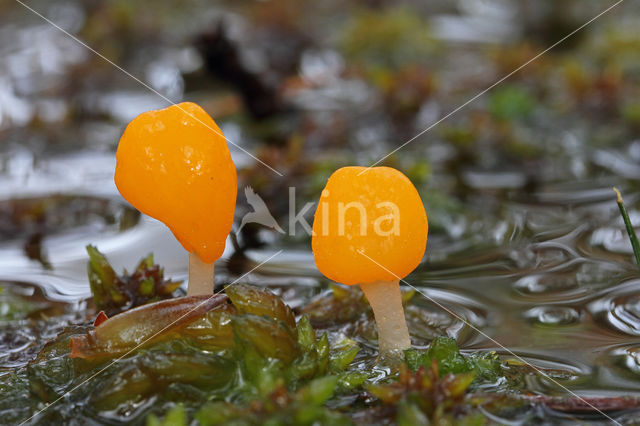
x=174 y=165
x=377 y=213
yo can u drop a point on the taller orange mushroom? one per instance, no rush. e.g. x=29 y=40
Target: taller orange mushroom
x=370 y=228
x=174 y=165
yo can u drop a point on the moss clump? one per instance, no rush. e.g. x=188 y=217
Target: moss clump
x=446 y=353
x=115 y=293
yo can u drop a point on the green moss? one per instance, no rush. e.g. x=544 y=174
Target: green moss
x=177 y=416
x=424 y=397
x=253 y=300
x=511 y=103
x=446 y=353
x=304 y=407
x=115 y=293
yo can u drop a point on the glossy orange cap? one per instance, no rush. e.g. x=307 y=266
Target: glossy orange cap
x=173 y=164
x=377 y=213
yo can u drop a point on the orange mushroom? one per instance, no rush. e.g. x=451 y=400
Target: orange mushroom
x=371 y=229
x=174 y=165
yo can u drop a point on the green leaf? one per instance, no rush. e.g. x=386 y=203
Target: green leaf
x=415 y=358
x=318 y=391
x=222 y=413
x=486 y=365
x=410 y=414
x=147 y=287
x=445 y=351
x=387 y=394
x=102 y=278
x=450 y=360
x=214 y=331
x=351 y=380
x=205 y=371
x=306 y=335
x=269 y=337
x=458 y=384
x=99 y=264
x=324 y=351
x=253 y=300
x=168 y=287
x=323 y=347
x=305 y=366
x=145 y=263
x=343 y=354
x=177 y=416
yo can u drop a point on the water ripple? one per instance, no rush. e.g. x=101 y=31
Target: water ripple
x=619 y=307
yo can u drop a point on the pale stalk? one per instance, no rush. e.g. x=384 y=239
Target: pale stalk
x=386 y=301
x=200 y=276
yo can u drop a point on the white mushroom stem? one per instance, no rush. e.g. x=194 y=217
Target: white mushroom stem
x=200 y=276
x=386 y=301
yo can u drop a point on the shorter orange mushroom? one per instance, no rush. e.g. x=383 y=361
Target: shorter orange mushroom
x=174 y=165
x=370 y=228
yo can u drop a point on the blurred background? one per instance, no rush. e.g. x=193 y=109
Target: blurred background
x=525 y=236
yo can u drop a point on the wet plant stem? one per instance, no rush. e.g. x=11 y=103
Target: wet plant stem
x=629 y=226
